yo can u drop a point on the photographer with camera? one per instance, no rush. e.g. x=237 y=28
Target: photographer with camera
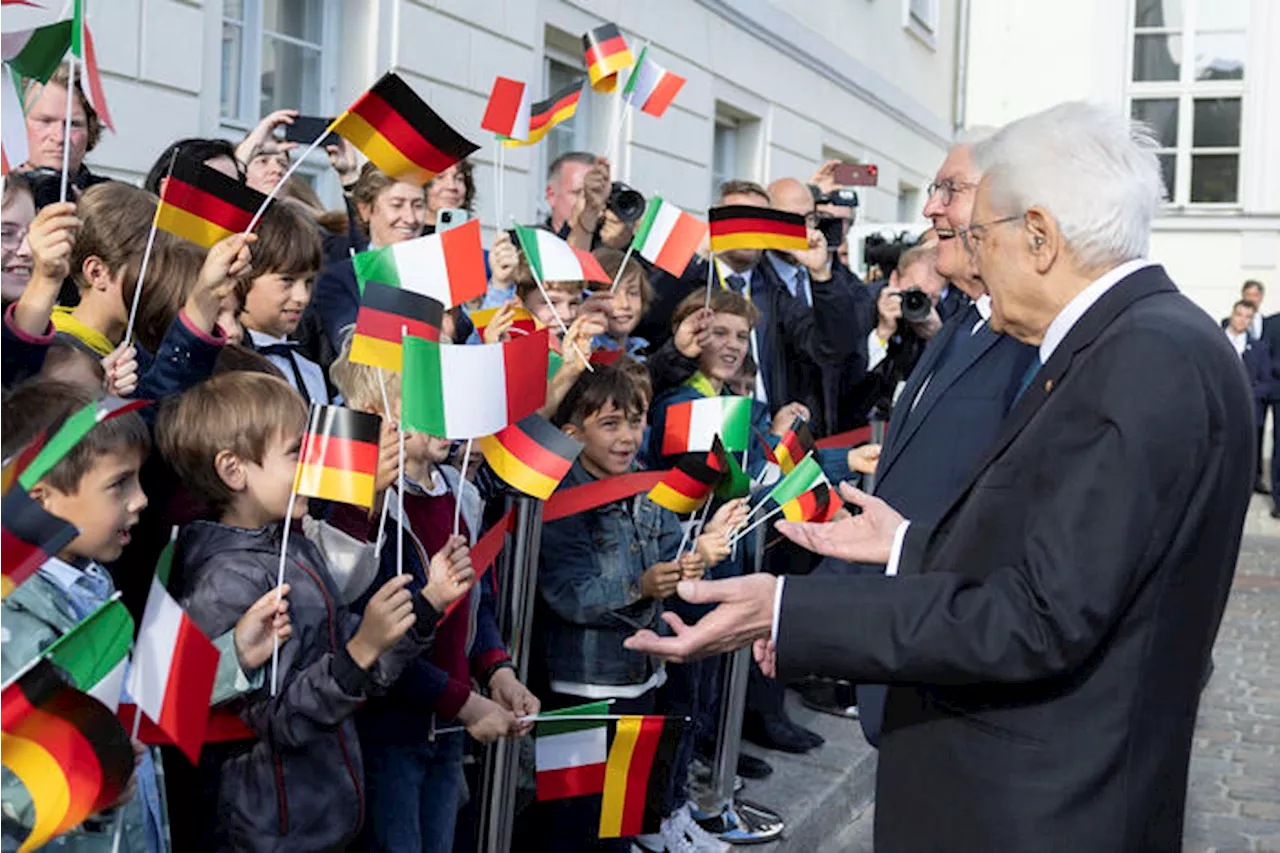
x=908 y=314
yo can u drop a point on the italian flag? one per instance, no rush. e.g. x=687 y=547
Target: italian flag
x=552 y=259
x=174 y=666
x=447 y=267
x=37 y=52
x=571 y=756
x=651 y=87
x=692 y=427
x=461 y=392
x=95 y=653
x=509 y=108
x=667 y=237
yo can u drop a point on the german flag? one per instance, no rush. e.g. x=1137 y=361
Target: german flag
x=641 y=756
x=607 y=54
x=386 y=315
x=525 y=323
x=548 y=113
x=400 y=133
x=29 y=536
x=531 y=455
x=339 y=456
x=68 y=750
x=16 y=464
x=795 y=445
x=816 y=505
x=687 y=486
x=742 y=226
x=203 y=205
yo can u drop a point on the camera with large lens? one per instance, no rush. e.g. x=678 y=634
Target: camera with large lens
x=626 y=203
x=916 y=305
x=877 y=251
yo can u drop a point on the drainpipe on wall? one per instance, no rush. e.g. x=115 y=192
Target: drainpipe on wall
x=962 y=65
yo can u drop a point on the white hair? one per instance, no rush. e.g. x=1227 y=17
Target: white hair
x=1094 y=171
x=974 y=135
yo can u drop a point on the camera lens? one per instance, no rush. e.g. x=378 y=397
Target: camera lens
x=625 y=202
x=915 y=305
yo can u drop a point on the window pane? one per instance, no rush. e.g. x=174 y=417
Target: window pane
x=1168 y=170
x=1162 y=115
x=1220 y=56
x=1214 y=178
x=290 y=77
x=1156 y=57
x=298 y=18
x=724 y=157
x=1216 y=124
x=1223 y=14
x=233 y=9
x=231 y=59
x=1158 y=13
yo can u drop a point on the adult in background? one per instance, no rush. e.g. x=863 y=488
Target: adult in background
x=1047 y=638
x=263 y=158
x=577 y=190
x=1255 y=356
x=455 y=187
x=1253 y=292
x=46 y=108
x=1271 y=335
x=217 y=154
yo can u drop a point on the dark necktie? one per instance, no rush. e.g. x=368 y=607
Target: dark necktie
x=736 y=283
x=1027 y=378
x=285 y=350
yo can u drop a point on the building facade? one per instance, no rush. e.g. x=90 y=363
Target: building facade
x=1203 y=73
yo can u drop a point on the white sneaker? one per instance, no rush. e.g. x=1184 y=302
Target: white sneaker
x=674 y=837
x=702 y=841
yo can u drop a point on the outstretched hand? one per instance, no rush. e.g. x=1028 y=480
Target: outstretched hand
x=744 y=613
x=863 y=538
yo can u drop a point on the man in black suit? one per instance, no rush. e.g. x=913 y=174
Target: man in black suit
x=1271 y=337
x=1047 y=638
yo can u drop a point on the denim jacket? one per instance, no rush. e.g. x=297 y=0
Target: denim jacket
x=589 y=585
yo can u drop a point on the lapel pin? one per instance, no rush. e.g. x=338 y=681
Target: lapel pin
x=1048 y=385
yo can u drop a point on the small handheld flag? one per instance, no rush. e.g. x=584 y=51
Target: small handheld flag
x=73 y=429
x=742 y=226
x=694 y=425
x=509 y=110
x=552 y=259
x=203 y=205
x=547 y=113
x=641 y=758
x=446 y=266
x=806 y=475
x=687 y=486
x=94 y=653
x=37 y=53
x=339 y=457
x=31 y=535
x=401 y=134
x=570 y=757
x=524 y=324
x=794 y=445
x=651 y=87
x=531 y=455
x=667 y=237
x=386 y=315
x=816 y=505
x=606 y=54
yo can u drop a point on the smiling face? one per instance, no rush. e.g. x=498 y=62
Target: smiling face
x=397 y=214
x=729 y=339
x=266 y=168
x=1000 y=254
x=19 y=210
x=275 y=302
x=958 y=173
x=46 y=123
x=564 y=303
x=447 y=189
x=104 y=506
x=627 y=305
x=611 y=439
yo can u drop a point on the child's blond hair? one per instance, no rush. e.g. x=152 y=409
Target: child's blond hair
x=360 y=384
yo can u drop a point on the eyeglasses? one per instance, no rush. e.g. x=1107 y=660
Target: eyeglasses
x=972 y=236
x=947 y=189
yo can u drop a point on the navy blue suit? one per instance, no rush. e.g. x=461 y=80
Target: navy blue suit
x=933 y=448
x=336 y=299
x=1271 y=337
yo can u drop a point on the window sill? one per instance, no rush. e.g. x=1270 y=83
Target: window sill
x=923 y=34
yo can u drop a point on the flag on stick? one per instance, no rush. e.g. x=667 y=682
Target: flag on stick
x=606 y=54
x=693 y=426
x=531 y=455
x=339 y=457
x=547 y=113
x=817 y=504
x=552 y=259
x=806 y=475
x=401 y=134
x=203 y=205
x=570 y=757
x=687 y=486
x=667 y=237
x=94 y=654
x=509 y=110
x=651 y=87
x=73 y=429
x=795 y=444
x=525 y=323
x=448 y=267
x=742 y=226
x=387 y=314
x=37 y=53
x=13 y=122
x=30 y=535
x=641 y=756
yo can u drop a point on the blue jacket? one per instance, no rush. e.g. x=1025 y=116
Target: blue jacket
x=185 y=358
x=21 y=355
x=589 y=586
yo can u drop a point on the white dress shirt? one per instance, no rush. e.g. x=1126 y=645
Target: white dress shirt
x=1239 y=341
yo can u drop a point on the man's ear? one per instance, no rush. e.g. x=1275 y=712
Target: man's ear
x=1045 y=239
x=42 y=493
x=230 y=470
x=573 y=431
x=95 y=273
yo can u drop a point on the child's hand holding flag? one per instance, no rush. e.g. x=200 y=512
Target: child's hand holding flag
x=266 y=620
x=450 y=574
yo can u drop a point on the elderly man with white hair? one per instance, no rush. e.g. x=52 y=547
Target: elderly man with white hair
x=1046 y=639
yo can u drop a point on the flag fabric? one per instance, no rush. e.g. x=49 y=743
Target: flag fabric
x=461 y=392
x=13 y=129
x=607 y=54
x=547 y=113
x=386 y=315
x=525 y=323
x=401 y=134
x=73 y=429
x=694 y=425
x=667 y=237
x=94 y=654
x=29 y=535
x=641 y=757
x=340 y=456
x=16 y=464
x=570 y=757
x=509 y=110
x=68 y=750
x=447 y=266
x=735 y=483
x=806 y=475
x=651 y=87
x=552 y=259
x=37 y=53
x=816 y=504
x=203 y=205
x=795 y=444
x=742 y=226
x=174 y=665
x=93 y=76
x=77 y=29
x=687 y=486
x=531 y=455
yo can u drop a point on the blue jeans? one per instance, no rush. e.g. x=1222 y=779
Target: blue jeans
x=396 y=777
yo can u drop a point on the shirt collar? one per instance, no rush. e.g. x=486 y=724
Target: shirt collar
x=262 y=339
x=1082 y=302
x=789 y=273
x=983 y=306
x=434 y=489
x=61 y=573
x=724 y=271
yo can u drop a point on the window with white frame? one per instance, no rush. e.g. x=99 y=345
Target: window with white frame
x=920 y=18
x=1186 y=80
x=724 y=153
x=277 y=54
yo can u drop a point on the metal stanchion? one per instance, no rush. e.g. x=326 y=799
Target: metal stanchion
x=878 y=425
x=517 y=588
x=733 y=820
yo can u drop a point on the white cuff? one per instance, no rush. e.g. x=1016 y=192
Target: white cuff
x=876 y=350
x=895 y=553
x=777 y=610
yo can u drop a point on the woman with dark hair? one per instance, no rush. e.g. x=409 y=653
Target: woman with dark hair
x=454 y=187
x=217 y=154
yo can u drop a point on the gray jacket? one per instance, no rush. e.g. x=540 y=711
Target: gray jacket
x=300 y=785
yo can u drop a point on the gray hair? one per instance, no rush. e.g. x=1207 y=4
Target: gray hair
x=586 y=158
x=974 y=135
x=1094 y=171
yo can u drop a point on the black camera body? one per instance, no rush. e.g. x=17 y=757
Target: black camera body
x=626 y=203
x=916 y=305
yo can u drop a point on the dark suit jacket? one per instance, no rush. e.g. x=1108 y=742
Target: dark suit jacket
x=1048 y=638
x=335 y=302
x=1257 y=367
x=1271 y=335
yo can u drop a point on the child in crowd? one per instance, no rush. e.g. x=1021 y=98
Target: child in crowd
x=631 y=299
x=602 y=576
x=565 y=296
x=414 y=778
x=15 y=252
x=96 y=488
x=276 y=289
x=234 y=441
